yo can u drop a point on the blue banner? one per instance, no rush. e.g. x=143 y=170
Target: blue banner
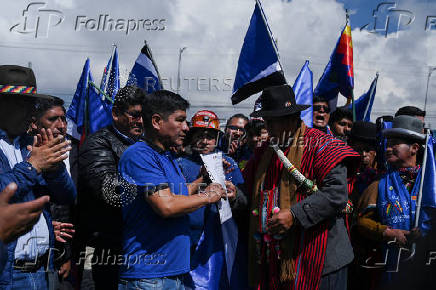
x=258 y=64
x=144 y=74
x=303 y=89
x=363 y=105
x=89 y=111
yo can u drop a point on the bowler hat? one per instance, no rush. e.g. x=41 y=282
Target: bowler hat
x=364 y=131
x=20 y=81
x=406 y=127
x=278 y=101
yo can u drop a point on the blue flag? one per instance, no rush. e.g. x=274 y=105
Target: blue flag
x=76 y=110
x=89 y=111
x=303 y=89
x=429 y=188
x=338 y=75
x=258 y=64
x=218 y=259
x=382 y=124
x=113 y=84
x=103 y=82
x=207 y=260
x=144 y=73
x=363 y=105
x=428 y=201
x=100 y=108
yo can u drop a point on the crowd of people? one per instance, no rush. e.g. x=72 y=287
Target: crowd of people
x=130 y=206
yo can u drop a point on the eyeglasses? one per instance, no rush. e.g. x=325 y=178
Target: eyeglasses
x=133 y=115
x=319 y=107
x=236 y=128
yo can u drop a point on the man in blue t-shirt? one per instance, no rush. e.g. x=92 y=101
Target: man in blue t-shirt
x=202 y=139
x=156 y=242
x=205 y=223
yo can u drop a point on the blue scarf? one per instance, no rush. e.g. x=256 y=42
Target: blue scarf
x=395 y=204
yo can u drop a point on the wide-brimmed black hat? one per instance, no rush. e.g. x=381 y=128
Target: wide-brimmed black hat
x=19 y=81
x=278 y=101
x=364 y=132
x=406 y=127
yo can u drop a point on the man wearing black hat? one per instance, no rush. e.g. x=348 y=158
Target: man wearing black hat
x=36 y=166
x=363 y=140
x=296 y=237
x=387 y=207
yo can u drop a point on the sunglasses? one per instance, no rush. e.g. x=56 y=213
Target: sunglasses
x=236 y=128
x=319 y=107
x=134 y=115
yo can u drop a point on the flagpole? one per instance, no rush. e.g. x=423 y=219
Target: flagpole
x=270 y=35
x=353 y=106
x=154 y=64
x=421 y=183
x=86 y=121
x=181 y=50
x=430 y=70
x=114 y=47
x=419 y=198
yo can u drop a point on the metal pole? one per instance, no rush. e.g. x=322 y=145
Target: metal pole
x=430 y=70
x=421 y=184
x=178 y=68
x=154 y=63
x=270 y=34
x=419 y=199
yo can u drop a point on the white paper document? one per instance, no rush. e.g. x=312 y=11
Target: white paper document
x=214 y=166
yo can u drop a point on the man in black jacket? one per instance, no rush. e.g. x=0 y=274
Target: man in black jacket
x=99 y=206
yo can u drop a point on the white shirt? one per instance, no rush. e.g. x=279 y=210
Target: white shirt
x=36 y=241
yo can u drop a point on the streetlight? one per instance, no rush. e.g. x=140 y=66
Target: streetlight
x=181 y=50
x=430 y=70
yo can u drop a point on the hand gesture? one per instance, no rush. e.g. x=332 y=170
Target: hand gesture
x=227 y=167
x=19 y=218
x=63 y=230
x=397 y=235
x=47 y=151
x=214 y=192
x=233 y=147
x=280 y=222
x=231 y=190
x=65 y=269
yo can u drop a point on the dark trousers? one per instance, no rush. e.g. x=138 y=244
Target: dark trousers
x=334 y=281
x=105 y=275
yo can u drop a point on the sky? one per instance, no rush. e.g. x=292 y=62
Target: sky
x=213 y=31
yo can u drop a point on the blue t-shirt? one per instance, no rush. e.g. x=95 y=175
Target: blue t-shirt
x=153 y=246
x=190 y=166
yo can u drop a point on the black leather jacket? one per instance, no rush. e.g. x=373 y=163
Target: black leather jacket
x=100 y=222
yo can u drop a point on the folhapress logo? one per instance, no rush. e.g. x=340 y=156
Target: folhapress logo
x=37 y=20
x=388 y=19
